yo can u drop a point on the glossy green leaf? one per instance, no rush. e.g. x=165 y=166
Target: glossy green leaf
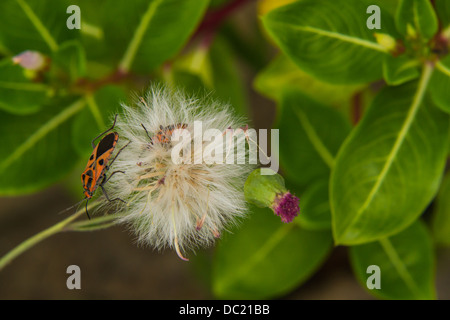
x=18 y=94
x=417 y=15
x=389 y=168
x=441 y=218
x=406 y=263
x=401 y=69
x=390 y=5
x=315 y=212
x=35 y=150
x=265 y=258
x=140 y=35
x=282 y=74
x=329 y=39
x=34 y=25
x=96 y=118
x=440 y=82
x=311 y=135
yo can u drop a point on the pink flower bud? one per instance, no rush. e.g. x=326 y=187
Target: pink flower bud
x=31 y=60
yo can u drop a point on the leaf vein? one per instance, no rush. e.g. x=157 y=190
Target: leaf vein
x=41 y=133
x=317 y=143
x=339 y=36
x=417 y=100
x=45 y=34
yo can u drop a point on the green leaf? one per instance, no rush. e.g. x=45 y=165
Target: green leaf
x=18 y=94
x=251 y=46
x=190 y=82
x=311 y=135
x=308 y=31
x=34 y=25
x=217 y=3
x=443 y=12
x=441 y=218
x=315 y=209
x=401 y=69
x=70 y=60
x=418 y=15
x=96 y=118
x=406 y=263
x=214 y=72
x=389 y=168
x=266 y=259
x=35 y=152
x=282 y=74
x=440 y=83
x=142 y=34
x=227 y=78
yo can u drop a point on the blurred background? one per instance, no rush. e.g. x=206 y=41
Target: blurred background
x=112 y=265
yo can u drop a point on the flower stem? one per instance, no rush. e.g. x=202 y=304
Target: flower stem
x=213 y=19
x=30 y=242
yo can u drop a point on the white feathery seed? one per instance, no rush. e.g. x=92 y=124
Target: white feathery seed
x=177 y=205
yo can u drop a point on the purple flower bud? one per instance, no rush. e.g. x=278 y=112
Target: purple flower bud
x=270 y=191
x=286 y=206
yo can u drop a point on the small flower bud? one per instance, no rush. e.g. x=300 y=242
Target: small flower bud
x=446 y=33
x=411 y=31
x=270 y=191
x=30 y=60
x=386 y=41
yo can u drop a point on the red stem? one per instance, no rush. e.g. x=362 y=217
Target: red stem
x=356 y=107
x=90 y=86
x=214 y=19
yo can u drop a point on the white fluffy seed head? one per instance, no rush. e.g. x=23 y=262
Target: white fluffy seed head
x=172 y=204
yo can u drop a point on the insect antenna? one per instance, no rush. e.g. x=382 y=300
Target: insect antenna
x=112 y=127
x=72 y=206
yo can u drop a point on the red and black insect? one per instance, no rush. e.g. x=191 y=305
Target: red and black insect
x=164 y=134
x=94 y=175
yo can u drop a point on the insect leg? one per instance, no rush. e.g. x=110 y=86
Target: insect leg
x=87 y=209
x=105 y=180
x=107 y=198
x=118 y=152
x=151 y=141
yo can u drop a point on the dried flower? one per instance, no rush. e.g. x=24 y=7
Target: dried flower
x=173 y=199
